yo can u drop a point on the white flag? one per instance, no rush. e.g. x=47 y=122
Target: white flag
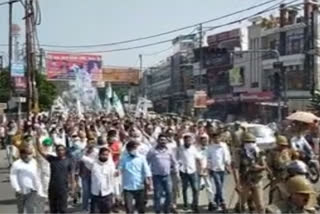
x=117 y=105
x=107 y=101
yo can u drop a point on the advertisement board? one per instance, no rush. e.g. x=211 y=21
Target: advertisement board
x=200 y=99
x=236 y=76
x=120 y=75
x=17 y=70
x=65 y=66
x=20 y=83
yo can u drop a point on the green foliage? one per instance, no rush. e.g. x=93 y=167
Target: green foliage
x=4 y=86
x=315 y=101
x=47 y=92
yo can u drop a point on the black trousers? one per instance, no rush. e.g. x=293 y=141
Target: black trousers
x=138 y=196
x=101 y=204
x=58 y=201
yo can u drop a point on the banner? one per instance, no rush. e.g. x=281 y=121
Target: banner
x=17 y=70
x=236 y=77
x=120 y=75
x=20 y=83
x=200 y=99
x=64 y=66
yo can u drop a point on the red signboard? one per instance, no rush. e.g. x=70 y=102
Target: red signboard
x=65 y=66
x=20 y=83
x=256 y=96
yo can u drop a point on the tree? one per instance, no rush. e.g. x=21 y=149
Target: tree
x=4 y=86
x=47 y=90
x=315 y=101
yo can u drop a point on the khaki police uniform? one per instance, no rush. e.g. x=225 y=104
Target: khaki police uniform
x=250 y=179
x=295 y=185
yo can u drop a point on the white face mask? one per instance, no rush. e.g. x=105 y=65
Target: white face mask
x=251 y=147
x=134 y=153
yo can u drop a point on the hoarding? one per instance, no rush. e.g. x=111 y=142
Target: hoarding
x=200 y=99
x=20 y=83
x=120 y=75
x=65 y=66
x=236 y=76
x=17 y=70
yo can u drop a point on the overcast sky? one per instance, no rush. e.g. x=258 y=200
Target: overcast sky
x=84 y=22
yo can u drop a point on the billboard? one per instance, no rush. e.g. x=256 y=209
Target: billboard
x=121 y=75
x=20 y=83
x=17 y=70
x=236 y=76
x=65 y=66
x=229 y=39
x=200 y=99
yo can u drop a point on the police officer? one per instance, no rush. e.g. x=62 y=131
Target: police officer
x=300 y=192
x=278 y=160
x=248 y=178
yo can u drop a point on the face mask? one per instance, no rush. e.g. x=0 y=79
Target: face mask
x=251 y=147
x=28 y=158
x=103 y=160
x=133 y=153
x=187 y=145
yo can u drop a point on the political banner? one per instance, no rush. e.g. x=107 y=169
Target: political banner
x=200 y=99
x=65 y=66
x=121 y=75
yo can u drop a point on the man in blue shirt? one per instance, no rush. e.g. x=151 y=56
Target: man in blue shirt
x=162 y=161
x=136 y=174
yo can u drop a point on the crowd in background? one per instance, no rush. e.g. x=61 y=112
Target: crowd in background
x=108 y=163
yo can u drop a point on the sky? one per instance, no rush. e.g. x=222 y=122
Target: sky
x=86 y=22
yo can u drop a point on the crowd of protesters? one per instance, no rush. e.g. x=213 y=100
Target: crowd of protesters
x=108 y=163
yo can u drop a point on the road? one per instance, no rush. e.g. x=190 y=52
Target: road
x=7 y=197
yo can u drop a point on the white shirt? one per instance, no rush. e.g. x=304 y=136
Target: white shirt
x=102 y=176
x=187 y=159
x=173 y=147
x=204 y=155
x=218 y=157
x=24 y=176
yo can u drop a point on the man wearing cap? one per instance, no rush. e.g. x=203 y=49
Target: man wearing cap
x=205 y=179
x=219 y=160
x=278 y=160
x=250 y=165
x=25 y=181
x=300 y=192
x=44 y=171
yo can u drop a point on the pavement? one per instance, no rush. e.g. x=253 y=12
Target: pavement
x=7 y=196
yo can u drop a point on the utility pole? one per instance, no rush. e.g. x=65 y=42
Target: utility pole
x=200 y=56
x=282 y=51
x=29 y=70
x=32 y=95
x=10 y=45
x=144 y=87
